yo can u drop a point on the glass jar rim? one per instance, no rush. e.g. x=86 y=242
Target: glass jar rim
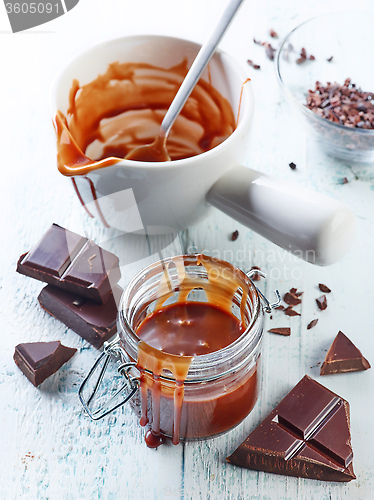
x=204 y=366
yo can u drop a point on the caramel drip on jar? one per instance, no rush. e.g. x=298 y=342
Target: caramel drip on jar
x=216 y=294
x=123 y=109
x=220 y=287
x=157 y=363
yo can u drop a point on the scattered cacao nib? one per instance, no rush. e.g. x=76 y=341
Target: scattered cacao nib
x=324 y=288
x=312 y=324
x=269 y=51
x=292 y=165
x=273 y=34
x=234 y=235
x=322 y=302
x=290 y=312
x=303 y=57
x=256 y=276
x=291 y=299
x=281 y=331
x=345 y=104
x=253 y=65
x=329 y=59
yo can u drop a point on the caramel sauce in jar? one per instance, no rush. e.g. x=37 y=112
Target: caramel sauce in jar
x=190 y=328
x=193 y=324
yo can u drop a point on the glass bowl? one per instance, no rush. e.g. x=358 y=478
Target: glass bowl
x=340 y=45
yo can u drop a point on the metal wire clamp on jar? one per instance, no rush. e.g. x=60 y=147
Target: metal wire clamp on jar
x=183 y=397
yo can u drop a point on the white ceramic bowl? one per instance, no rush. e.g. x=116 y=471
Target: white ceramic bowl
x=170 y=195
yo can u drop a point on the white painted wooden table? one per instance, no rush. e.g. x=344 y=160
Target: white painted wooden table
x=49 y=449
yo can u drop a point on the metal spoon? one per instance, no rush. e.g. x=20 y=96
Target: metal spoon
x=156 y=151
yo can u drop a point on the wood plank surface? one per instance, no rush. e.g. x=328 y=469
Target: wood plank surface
x=49 y=448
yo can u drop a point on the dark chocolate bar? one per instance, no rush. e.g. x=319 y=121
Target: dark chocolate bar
x=94 y=322
x=39 y=360
x=72 y=263
x=343 y=356
x=307 y=435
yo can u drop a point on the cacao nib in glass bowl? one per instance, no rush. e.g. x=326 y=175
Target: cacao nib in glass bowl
x=331 y=48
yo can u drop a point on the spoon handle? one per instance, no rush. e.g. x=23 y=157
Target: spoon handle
x=198 y=66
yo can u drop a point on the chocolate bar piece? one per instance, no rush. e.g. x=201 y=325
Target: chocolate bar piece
x=94 y=322
x=312 y=324
x=281 y=331
x=343 y=356
x=307 y=435
x=39 y=360
x=324 y=288
x=73 y=263
x=322 y=302
x=291 y=299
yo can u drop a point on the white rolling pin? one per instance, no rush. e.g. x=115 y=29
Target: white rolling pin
x=312 y=226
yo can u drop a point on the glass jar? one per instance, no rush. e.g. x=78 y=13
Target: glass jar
x=184 y=397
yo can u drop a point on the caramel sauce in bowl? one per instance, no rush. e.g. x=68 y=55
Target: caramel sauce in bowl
x=113 y=97
x=211 y=385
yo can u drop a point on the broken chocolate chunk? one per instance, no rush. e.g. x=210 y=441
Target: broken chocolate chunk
x=281 y=331
x=291 y=299
x=324 y=288
x=307 y=435
x=72 y=263
x=312 y=324
x=292 y=165
x=322 y=302
x=343 y=356
x=40 y=360
x=94 y=322
x=290 y=312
